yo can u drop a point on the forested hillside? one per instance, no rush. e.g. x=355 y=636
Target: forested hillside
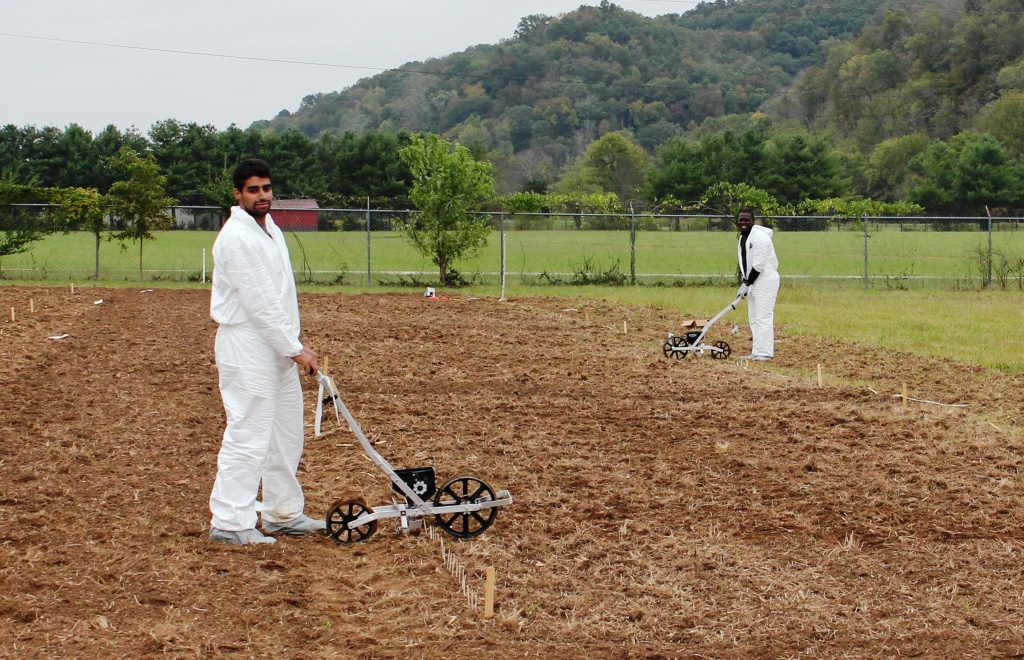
x=939 y=70
x=540 y=97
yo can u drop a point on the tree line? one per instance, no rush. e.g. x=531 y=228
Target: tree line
x=961 y=175
x=197 y=160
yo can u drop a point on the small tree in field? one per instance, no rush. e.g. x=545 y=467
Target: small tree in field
x=81 y=208
x=139 y=201
x=448 y=185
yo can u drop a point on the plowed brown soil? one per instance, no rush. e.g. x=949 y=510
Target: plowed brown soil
x=664 y=508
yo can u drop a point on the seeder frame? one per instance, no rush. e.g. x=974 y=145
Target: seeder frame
x=680 y=346
x=351 y=520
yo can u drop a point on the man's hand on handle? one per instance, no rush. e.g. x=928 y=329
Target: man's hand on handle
x=307 y=359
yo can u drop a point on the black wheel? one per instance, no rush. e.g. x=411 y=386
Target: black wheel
x=674 y=341
x=341 y=514
x=723 y=352
x=465 y=490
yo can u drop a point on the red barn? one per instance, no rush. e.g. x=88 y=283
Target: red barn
x=295 y=214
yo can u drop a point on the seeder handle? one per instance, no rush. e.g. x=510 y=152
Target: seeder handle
x=341 y=410
x=717 y=316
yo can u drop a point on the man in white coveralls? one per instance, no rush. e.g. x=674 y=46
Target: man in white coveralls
x=258 y=345
x=759 y=271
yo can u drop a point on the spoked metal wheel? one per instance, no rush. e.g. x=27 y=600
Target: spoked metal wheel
x=723 y=352
x=669 y=344
x=341 y=514
x=465 y=490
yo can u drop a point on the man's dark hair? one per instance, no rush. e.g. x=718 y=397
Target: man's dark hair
x=247 y=169
x=747 y=209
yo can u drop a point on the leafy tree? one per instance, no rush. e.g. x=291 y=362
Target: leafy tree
x=186 y=154
x=798 y=167
x=139 y=200
x=729 y=199
x=64 y=159
x=15 y=151
x=1004 y=120
x=524 y=202
x=966 y=174
x=18 y=229
x=888 y=166
x=107 y=144
x=292 y=156
x=850 y=209
x=81 y=208
x=618 y=165
x=448 y=185
x=220 y=191
x=365 y=165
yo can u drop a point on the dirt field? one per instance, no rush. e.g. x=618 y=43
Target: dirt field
x=664 y=508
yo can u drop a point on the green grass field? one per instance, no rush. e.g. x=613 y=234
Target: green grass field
x=984 y=328
x=957 y=322
x=895 y=259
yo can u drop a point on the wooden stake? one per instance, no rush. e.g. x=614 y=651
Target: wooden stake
x=72 y=287
x=904 y=397
x=324 y=367
x=624 y=327
x=819 y=375
x=489 y=592
x=32 y=305
x=12 y=315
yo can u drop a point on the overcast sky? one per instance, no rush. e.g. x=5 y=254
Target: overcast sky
x=54 y=71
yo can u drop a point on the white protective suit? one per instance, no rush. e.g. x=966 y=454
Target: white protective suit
x=763 y=292
x=256 y=306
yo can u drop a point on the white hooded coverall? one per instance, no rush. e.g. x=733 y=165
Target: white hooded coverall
x=257 y=309
x=763 y=292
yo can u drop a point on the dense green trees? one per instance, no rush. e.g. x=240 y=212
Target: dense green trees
x=792 y=167
x=968 y=173
x=18 y=229
x=196 y=161
x=960 y=175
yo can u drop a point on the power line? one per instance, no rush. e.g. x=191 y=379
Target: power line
x=172 y=51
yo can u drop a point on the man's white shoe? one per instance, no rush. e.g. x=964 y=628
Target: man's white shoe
x=760 y=358
x=748 y=357
x=244 y=537
x=296 y=526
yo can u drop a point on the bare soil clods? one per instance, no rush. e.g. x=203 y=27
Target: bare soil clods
x=664 y=508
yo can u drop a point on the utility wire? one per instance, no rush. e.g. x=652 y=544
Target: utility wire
x=172 y=51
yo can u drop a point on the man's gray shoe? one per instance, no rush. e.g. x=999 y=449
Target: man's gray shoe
x=296 y=526
x=761 y=358
x=244 y=537
x=749 y=357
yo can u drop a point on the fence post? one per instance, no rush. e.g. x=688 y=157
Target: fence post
x=501 y=230
x=988 y=279
x=632 y=245
x=864 y=221
x=369 y=270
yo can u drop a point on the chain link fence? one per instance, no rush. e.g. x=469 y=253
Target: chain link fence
x=370 y=248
